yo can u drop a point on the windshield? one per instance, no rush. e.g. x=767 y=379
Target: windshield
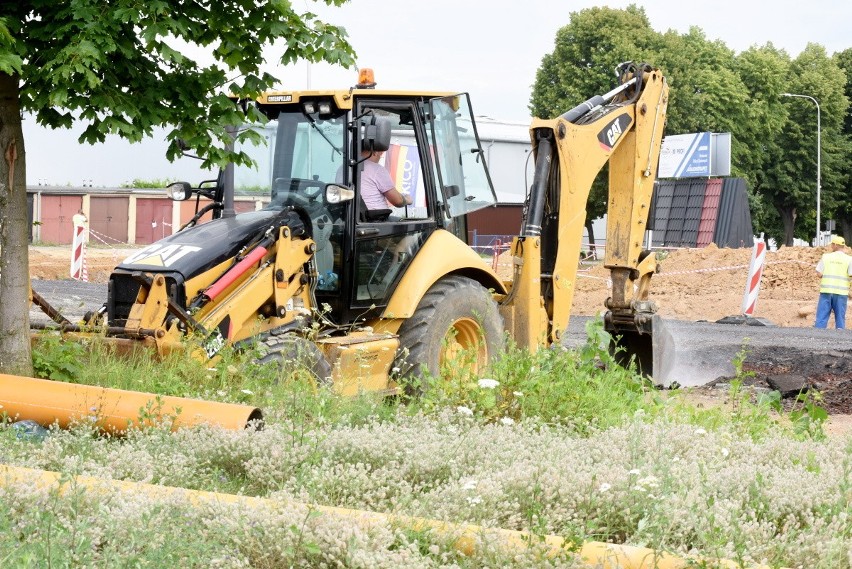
x=303 y=153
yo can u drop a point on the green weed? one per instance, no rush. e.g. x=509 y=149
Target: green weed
x=57 y=359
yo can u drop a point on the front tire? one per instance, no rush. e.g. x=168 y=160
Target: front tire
x=457 y=316
x=293 y=354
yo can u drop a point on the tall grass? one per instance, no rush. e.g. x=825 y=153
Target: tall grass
x=557 y=442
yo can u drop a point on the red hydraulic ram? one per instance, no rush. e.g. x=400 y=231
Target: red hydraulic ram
x=235 y=272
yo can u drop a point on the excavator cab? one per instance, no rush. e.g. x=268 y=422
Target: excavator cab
x=429 y=149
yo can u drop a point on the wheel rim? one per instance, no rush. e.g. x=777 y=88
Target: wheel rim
x=464 y=343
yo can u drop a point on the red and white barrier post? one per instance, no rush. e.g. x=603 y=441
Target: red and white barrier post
x=79 y=271
x=755 y=271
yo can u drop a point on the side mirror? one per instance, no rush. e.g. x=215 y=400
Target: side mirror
x=179 y=191
x=335 y=193
x=377 y=134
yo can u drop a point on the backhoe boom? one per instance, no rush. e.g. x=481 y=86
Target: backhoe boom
x=624 y=129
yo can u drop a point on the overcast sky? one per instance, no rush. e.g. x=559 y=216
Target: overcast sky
x=490 y=49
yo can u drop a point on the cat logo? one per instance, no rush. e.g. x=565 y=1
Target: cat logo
x=611 y=133
x=279 y=99
x=160 y=255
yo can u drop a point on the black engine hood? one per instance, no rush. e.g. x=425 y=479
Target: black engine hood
x=199 y=248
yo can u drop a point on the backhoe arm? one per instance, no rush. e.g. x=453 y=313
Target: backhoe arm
x=623 y=128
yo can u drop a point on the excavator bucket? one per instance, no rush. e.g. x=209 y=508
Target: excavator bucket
x=674 y=354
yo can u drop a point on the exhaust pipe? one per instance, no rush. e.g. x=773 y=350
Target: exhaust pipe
x=114 y=411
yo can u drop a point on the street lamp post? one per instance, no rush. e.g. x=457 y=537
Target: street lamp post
x=819 y=163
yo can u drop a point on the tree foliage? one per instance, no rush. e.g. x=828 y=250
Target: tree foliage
x=583 y=64
x=713 y=89
x=125 y=67
x=843 y=211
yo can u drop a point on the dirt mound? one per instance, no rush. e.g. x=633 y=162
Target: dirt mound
x=54 y=263
x=709 y=284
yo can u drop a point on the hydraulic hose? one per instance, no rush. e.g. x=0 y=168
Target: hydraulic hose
x=538 y=192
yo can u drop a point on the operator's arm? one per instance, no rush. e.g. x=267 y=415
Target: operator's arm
x=396 y=198
x=392 y=195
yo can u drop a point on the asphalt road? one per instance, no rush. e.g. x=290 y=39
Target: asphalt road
x=71 y=298
x=690 y=353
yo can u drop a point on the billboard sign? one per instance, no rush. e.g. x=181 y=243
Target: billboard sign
x=685 y=156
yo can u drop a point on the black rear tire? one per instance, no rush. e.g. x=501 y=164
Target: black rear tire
x=294 y=353
x=456 y=315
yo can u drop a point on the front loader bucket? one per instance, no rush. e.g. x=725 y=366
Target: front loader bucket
x=674 y=353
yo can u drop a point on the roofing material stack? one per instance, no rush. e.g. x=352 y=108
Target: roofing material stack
x=697 y=212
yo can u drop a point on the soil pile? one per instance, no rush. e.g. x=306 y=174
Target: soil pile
x=54 y=263
x=709 y=284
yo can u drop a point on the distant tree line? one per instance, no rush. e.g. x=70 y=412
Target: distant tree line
x=713 y=89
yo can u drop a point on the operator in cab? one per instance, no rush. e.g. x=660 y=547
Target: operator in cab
x=377 y=186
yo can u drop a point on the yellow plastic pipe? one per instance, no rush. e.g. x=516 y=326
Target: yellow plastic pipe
x=113 y=410
x=594 y=553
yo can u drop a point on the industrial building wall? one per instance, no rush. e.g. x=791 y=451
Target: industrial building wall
x=119 y=216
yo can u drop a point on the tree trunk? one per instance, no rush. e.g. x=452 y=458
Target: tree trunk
x=592 y=247
x=788 y=219
x=846 y=229
x=15 y=356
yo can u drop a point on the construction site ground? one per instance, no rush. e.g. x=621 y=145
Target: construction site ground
x=706 y=284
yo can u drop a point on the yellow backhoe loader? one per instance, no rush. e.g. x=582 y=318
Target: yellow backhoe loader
x=364 y=295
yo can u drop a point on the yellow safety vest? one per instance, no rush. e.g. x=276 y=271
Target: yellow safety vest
x=835 y=274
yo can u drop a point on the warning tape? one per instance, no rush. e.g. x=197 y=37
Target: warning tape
x=686 y=272
x=99 y=236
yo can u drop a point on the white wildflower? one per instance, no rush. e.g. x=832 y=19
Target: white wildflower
x=647 y=482
x=635 y=472
x=247 y=391
x=725 y=452
x=486 y=383
x=604 y=487
x=517 y=394
x=469 y=485
x=474 y=500
x=467 y=411
x=700 y=432
x=507 y=421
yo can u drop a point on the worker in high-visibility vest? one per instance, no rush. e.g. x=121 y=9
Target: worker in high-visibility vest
x=835 y=268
